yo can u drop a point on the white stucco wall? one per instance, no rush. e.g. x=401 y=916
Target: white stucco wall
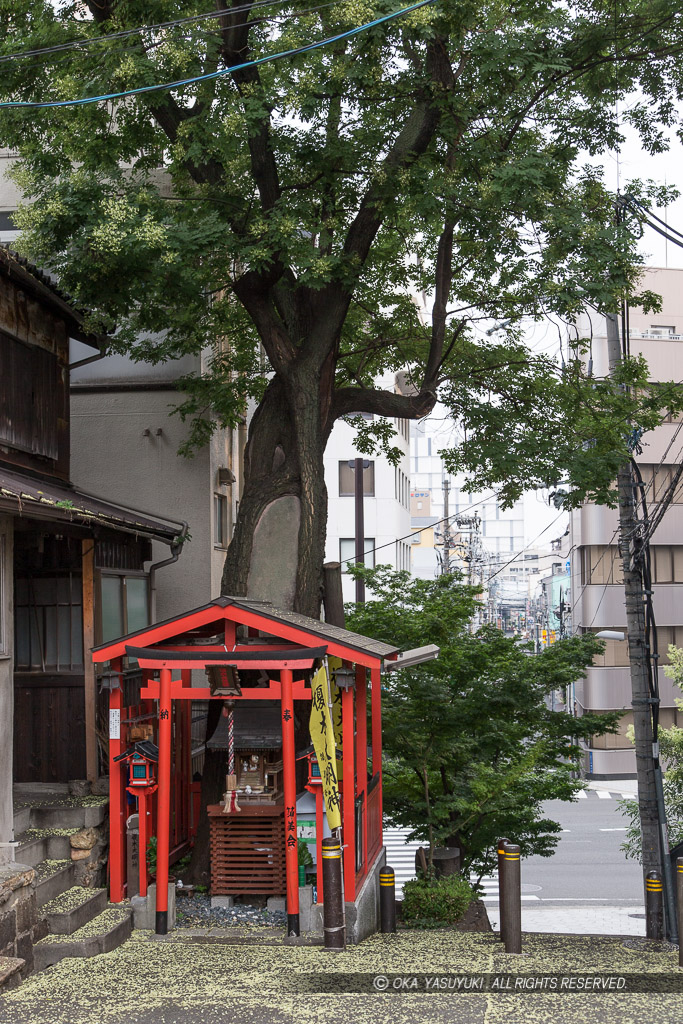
x=113 y=456
x=387 y=515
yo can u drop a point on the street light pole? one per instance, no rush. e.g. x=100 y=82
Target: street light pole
x=360 y=528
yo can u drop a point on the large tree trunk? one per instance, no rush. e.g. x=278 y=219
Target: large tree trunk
x=277 y=551
x=278 y=547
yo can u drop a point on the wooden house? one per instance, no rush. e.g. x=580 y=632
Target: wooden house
x=74 y=569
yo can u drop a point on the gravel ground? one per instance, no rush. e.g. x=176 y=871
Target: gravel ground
x=184 y=982
x=197 y=912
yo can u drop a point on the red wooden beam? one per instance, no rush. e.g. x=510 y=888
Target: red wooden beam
x=164 y=631
x=163 y=802
x=301 y=637
x=362 y=763
x=300 y=691
x=175 y=661
x=221 y=648
x=348 y=796
x=376 y=712
x=117 y=803
x=289 y=780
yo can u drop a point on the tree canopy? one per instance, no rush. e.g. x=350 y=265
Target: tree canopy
x=471 y=748
x=288 y=214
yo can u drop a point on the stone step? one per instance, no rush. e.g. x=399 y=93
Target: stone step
x=72 y=910
x=68 y=813
x=105 y=932
x=10 y=972
x=22 y=819
x=36 y=844
x=53 y=877
x=32 y=849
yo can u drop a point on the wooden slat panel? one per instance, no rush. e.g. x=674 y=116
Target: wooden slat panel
x=247 y=853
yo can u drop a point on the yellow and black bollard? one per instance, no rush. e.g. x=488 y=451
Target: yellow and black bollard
x=502 y=843
x=333 y=906
x=387 y=900
x=654 y=906
x=511 y=903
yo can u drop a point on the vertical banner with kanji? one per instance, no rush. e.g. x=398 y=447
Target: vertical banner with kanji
x=322 y=737
x=336 y=697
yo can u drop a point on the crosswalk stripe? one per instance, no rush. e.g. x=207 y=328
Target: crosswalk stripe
x=582 y=795
x=603 y=794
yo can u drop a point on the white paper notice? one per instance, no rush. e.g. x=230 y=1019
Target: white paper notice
x=114 y=724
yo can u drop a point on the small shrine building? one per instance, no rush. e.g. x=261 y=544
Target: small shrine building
x=256 y=653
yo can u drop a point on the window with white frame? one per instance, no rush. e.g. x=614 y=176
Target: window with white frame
x=347 y=552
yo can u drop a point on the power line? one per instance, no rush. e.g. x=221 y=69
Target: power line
x=422 y=529
x=33 y=105
x=77 y=44
x=531 y=542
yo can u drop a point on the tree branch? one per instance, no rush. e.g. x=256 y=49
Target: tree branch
x=382 y=403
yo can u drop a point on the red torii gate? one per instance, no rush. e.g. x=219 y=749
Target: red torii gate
x=278 y=641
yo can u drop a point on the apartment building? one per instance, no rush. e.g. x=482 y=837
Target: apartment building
x=597 y=601
x=386 y=502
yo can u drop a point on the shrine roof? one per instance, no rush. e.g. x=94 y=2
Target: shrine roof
x=286 y=625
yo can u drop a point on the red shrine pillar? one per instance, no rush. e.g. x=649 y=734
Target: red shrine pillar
x=289 y=778
x=362 y=758
x=117 y=796
x=376 y=707
x=348 y=796
x=163 y=801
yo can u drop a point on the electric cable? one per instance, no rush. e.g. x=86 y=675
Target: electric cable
x=155 y=27
x=531 y=542
x=275 y=19
x=422 y=529
x=210 y=76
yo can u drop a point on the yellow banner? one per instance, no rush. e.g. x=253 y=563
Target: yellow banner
x=322 y=737
x=333 y=665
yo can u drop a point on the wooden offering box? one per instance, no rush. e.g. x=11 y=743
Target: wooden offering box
x=247 y=849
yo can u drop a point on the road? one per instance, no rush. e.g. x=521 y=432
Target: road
x=587 y=885
x=587 y=865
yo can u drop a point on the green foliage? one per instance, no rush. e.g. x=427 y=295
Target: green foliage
x=299 y=208
x=305 y=856
x=471 y=749
x=436 y=901
x=671 y=750
x=151 y=853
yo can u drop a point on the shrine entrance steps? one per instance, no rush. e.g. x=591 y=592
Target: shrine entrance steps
x=72 y=916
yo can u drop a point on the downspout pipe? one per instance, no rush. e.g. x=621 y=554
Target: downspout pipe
x=176 y=548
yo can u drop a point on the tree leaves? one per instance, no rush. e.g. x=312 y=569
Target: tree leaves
x=283 y=188
x=471 y=747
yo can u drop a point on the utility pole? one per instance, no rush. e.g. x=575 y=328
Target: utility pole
x=654 y=846
x=360 y=527
x=446 y=563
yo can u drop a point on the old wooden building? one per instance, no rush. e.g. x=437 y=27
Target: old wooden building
x=74 y=569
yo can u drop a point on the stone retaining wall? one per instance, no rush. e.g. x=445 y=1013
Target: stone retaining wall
x=20 y=924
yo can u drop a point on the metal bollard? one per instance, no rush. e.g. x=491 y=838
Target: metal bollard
x=502 y=843
x=512 y=896
x=654 y=906
x=333 y=906
x=387 y=900
x=679 y=901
